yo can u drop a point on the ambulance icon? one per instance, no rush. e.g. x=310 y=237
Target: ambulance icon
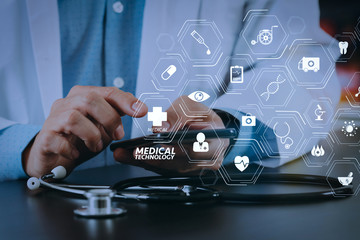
x=309 y=64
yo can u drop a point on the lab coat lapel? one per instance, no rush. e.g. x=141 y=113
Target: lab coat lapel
x=45 y=36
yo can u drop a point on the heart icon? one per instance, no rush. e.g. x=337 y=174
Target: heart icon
x=241 y=163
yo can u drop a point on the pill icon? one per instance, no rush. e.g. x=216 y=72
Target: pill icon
x=168 y=72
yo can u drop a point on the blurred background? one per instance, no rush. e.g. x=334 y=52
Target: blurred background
x=343 y=17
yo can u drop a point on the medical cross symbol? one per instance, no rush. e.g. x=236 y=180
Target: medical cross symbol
x=157 y=116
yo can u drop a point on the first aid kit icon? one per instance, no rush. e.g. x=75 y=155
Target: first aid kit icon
x=248 y=120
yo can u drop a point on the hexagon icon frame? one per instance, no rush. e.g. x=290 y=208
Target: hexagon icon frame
x=188 y=27
x=212 y=95
x=161 y=38
x=284 y=75
x=311 y=109
x=202 y=177
x=334 y=41
x=328 y=151
x=226 y=67
x=158 y=82
x=167 y=138
x=327 y=74
x=202 y=162
x=351 y=96
x=301 y=28
x=345 y=121
x=348 y=161
x=252 y=143
x=357 y=28
x=261 y=32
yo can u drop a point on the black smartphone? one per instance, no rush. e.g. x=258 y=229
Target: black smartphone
x=189 y=136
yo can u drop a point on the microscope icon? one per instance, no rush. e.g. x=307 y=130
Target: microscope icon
x=319 y=113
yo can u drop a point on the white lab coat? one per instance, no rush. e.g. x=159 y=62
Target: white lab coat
x=30 y=63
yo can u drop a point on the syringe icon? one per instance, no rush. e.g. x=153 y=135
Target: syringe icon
x=200 y=40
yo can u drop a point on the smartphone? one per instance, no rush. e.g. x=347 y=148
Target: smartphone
x=190 y=136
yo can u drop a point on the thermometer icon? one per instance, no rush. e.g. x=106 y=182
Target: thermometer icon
x=200 y=40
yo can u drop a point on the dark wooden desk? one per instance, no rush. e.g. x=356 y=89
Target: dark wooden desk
x=49 y=215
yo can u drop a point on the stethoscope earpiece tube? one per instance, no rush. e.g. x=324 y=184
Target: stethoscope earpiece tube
x=99 y=200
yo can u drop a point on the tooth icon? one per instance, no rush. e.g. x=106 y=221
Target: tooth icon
x=343 y=47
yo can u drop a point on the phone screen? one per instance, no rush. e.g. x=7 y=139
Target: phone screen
x=186 y=136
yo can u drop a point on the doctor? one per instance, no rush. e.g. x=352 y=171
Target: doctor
x=70 y=71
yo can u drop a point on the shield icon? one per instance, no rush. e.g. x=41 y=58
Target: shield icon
x=241 y=163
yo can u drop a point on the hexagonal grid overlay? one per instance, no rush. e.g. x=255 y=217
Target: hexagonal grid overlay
x=321 y=150
x=195 y=155
x=168 y=73
x=199 y=90
x=288 y=130
x=264 y=34
x=274 y=88
x=319 y=113
x=231 y=173
x=228 y=77
x=153 y=102
x=341 y=170
x=345 y=127
x=200 y=40
x=353 y=90
x=165 y=42
x=345 y=44
x=310 y=65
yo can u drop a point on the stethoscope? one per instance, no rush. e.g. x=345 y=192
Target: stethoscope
x=186 y=190
x=284 y=138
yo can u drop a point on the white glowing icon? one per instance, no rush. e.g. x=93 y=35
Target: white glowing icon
x=200 y=40
x=157 y=116
x=343 y=46
x=349 y=128
x=199 y=96
x=346 y=180
x=241 y=162
x=318 y=151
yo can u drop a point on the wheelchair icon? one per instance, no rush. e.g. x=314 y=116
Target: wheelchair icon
x=265 y=36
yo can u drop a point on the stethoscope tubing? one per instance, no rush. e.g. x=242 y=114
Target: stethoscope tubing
x=169 y=189
x=221 y=196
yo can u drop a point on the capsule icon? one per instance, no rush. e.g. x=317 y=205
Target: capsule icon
x=168 y=72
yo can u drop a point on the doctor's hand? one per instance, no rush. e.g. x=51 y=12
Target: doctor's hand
x=80 y=126
x=180 y=164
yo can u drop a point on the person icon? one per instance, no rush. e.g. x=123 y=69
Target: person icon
x=200 y=145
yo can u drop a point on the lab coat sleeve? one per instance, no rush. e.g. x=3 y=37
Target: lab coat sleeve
x=13 y=141
x=307 y=10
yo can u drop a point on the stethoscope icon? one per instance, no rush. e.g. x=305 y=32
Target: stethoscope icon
x=284 y=139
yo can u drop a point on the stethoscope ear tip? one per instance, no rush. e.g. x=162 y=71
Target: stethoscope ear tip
x=33 y=183
x=59 y=172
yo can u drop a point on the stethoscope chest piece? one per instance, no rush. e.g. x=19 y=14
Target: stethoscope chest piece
x=99 y=205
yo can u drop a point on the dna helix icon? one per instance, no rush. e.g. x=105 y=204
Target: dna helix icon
x=273 y=87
